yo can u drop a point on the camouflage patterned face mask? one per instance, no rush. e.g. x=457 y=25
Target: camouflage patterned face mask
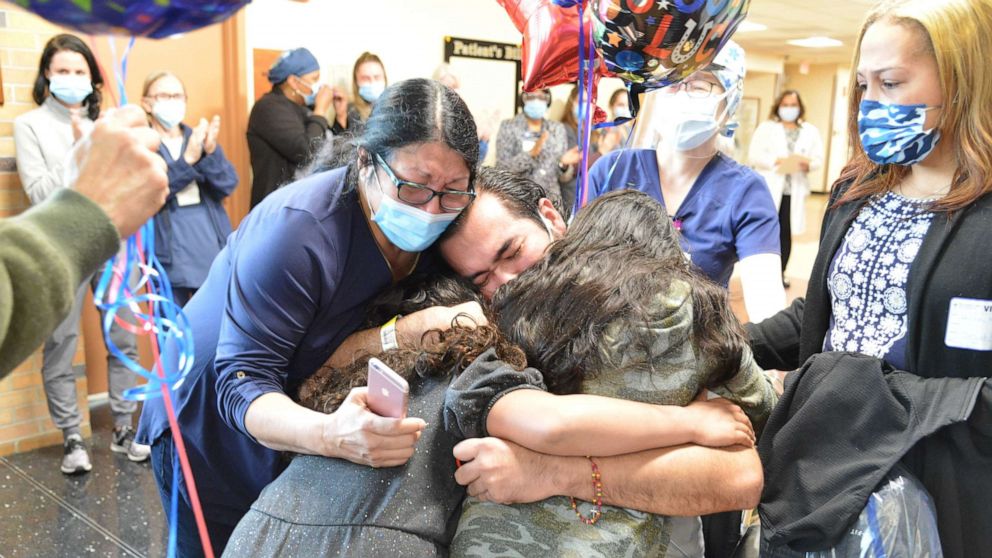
x=894 y=134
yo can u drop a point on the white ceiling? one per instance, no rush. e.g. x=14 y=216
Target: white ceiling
x=798 y=19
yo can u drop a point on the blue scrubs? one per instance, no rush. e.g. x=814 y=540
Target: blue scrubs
x=292 y=283
x=727 y=215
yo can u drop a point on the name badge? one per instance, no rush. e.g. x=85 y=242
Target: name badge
x=969 y=324
x=190 y=195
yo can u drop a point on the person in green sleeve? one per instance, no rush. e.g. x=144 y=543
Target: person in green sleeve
x=46 y=252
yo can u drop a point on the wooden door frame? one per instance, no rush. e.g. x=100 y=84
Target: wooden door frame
x=234 y=113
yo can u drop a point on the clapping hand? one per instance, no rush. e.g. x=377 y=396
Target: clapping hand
x=210 y=142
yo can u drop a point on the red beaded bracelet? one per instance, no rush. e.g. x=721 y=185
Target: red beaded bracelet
x=597 y=490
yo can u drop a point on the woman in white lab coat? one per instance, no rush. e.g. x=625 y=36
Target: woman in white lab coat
x=784 y=150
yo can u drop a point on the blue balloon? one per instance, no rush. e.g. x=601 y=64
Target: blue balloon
x=630 y=60
x=143 y=18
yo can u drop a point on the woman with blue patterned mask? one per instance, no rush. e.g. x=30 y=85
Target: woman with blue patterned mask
x=903 y=275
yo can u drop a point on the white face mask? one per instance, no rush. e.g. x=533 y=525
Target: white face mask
x=169 y=113
x=788 y=114
x=690 y=122
x=621 y=112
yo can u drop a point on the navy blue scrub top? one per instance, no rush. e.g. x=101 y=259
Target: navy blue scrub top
x=727 y=215
x=292 y=283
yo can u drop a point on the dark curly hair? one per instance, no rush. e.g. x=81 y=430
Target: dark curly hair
x=447 y=352
x=620 y=253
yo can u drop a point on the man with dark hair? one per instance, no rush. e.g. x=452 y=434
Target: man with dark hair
x=505 y=231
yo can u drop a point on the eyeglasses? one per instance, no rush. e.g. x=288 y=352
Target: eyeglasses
x=696 y=89
x=419 y=194
x=535 y=97
x=168 y=97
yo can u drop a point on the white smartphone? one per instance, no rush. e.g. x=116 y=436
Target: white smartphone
x=388 y=392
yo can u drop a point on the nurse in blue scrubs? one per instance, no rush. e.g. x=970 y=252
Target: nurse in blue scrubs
x=723 y=209
x=293 y=282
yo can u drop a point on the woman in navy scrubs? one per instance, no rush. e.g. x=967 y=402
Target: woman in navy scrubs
x=292 y=283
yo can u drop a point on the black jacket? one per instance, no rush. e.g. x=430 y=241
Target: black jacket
x=282 y=137
x=954 y=261
x=844 y=421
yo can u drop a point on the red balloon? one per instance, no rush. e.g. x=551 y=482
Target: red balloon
x=550 y=41
x=551 y=44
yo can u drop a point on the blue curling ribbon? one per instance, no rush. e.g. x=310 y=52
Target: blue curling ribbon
x=585 y=117
x=120 y=72
x=163 y=318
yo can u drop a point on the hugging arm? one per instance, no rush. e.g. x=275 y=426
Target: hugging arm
x=592 y=425
x=683 y=480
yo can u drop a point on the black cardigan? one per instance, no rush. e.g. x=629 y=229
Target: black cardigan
x=282 y=137
x=954 y=261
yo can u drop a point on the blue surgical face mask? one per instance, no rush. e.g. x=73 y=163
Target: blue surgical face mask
x=894 y=134
x=169 y=113
x=535 y=109
x=71 y=90
x=370 y=91
x=692 y=122
x=409 y=228
x=310 y=98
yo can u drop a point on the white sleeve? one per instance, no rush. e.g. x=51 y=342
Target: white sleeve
x=761 y=281
x=814 y=146
x=39 y=178
x=761 y=154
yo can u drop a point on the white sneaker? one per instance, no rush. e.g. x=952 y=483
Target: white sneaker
x=123 y=442
x=75 y=460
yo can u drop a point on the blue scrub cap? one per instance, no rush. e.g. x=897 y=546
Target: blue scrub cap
x=294 y=62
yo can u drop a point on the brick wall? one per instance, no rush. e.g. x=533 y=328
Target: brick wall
x=24 y=420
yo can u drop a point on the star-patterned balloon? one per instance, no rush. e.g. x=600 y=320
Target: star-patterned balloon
x=664 y=41
x=143 y=18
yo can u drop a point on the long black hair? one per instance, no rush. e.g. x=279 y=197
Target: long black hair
x=55 y=45
x=407 y=113
x=620 y=254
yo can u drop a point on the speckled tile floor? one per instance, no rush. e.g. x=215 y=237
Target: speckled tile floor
x=114 y=510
